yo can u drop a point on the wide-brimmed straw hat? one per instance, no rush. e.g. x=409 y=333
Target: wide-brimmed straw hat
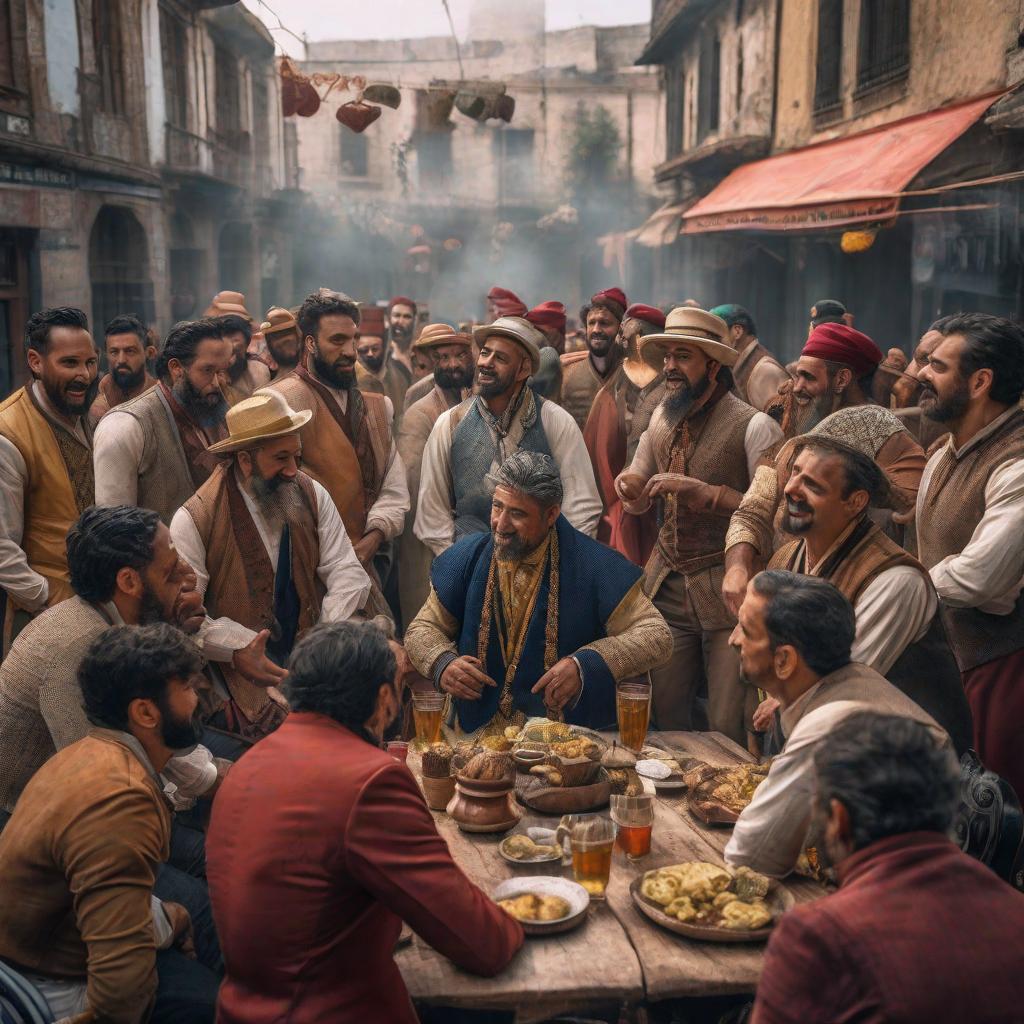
x=262 y=417
x=228 y=302
x=279 y=320
x=436 y=335
x=688 y=326
x=517 y=329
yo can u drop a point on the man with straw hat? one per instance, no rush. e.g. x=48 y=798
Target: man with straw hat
x=246 y=373
x=472 y=440
x=283 y=340
x=698 y=456
x=268 y=548
x=451 y=353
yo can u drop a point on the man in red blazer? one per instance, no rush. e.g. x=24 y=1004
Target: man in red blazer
x=322 y=845
x=918 y=931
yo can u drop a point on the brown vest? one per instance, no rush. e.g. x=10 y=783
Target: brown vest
x=751 y=356
x=946 y=520
x=926 y=670
x=241 y=574
x=330 y=457
x=580 y=385
x=709 y=446
x=60 y=485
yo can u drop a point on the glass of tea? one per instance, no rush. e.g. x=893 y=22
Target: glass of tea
x=398 y=749
x=591 y=841
x=428 y=714
x=633 y=708
x=634 y=818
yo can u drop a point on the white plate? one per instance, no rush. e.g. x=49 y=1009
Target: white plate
x=652 y=769
x=547 y=885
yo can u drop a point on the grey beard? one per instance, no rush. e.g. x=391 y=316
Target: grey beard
x=279 y=501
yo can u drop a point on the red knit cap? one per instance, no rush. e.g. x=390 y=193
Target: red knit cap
x=548 y=314
x=841 y=344
x=612 y=299
x=371 y=322
x=648 y=314
x=507 y=303
x=401 y=300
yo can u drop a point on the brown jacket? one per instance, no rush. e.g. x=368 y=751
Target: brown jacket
x=77 y=864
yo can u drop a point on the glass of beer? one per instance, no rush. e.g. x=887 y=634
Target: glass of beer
x=428 y=713
x=591 y=841
x=634 y=818
x=633 y=707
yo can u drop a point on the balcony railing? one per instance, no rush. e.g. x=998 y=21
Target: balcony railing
x=227 y=158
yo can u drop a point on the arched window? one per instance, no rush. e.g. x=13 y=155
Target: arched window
x=119 y=267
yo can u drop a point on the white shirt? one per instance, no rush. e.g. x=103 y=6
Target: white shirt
x=581 y=503
x=893 y=611
x=340 y=570
x=116 y=454
x=762 y=433
x=988 y=574
x=24 y=584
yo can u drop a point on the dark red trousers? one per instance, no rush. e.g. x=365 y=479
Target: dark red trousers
x=995 y=692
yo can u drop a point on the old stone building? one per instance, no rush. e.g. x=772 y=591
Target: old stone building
x=442 y=206
x=881 y=112
x=142 y=162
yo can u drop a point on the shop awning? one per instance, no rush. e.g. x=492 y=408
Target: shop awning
x=852 y=180
x=662 y=227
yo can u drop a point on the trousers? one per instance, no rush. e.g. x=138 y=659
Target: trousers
x=698 y=656
x=996 y=697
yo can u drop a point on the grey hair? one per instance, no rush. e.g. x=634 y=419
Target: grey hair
x=532 y=474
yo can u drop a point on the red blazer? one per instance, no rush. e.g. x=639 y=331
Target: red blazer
x=319 y=846
x=918 y=931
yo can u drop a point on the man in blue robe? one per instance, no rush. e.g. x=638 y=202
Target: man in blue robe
x=534 y=618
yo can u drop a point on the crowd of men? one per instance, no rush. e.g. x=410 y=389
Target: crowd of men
x=228 y=560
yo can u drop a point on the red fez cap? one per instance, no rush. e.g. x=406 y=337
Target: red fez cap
x=371 y=321
x=612 y=299
x=401 y=300
x=842 y=344
x=649 y=314
x=507 y=303
x=548 y=314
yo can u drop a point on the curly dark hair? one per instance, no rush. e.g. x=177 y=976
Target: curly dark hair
x=317 y=306
x=337 y=670
x=42 y=322
x=889 y=774
x=235 y=323
x=184 y=339
x=994 y=343
x=105 y=540
x=127 y=663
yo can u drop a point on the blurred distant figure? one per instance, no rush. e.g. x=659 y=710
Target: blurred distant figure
x=283 y=341
x=378 y=371
x=502 y=302
x=245 y=374
x=128 y=352
x=828 y=311
x=758 y=375
x=549 y=319
x=401 y=329
x=584 y=374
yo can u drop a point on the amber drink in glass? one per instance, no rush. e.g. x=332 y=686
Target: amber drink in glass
x=634 y=820
x=633 y=707
x=428 y=714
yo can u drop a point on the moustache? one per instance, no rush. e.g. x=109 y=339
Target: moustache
x=797 y=508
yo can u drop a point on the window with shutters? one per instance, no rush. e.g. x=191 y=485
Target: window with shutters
x=709 y=86
x=829 y=66
x=107 y=38
x=174 y=51
x=7 y=69
x=227 y=99
x=883 y=51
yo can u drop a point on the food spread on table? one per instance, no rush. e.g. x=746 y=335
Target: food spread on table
x=700 y=893
x=523 y=848
x=533 y=907
x=719 y=794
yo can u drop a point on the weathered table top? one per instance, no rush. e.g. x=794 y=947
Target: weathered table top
x=618 y=955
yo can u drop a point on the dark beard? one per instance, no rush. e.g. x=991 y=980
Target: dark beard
x=206 y=414
x=278 y=499
x=449 y=380
x=401 y=336
x=150 y=609
x=344 y=380
x=179 y=736
x=374 y=365
x=237 y=369
x=285 y=359
x=127 y=379
x=515 y=550
x=491 y=389
x=61 y=404
x=599 y=345
x=679 y=402
x=948 y=409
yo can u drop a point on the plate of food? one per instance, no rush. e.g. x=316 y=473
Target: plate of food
x=535 y=846
x=544 y=905
x=709 y=902
x=722 y=794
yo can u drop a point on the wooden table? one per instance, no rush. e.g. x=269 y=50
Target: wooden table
x=618 y=956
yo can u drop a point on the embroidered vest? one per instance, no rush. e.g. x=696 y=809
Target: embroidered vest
x=947 y=517
x=59 y=486
x=475 y=451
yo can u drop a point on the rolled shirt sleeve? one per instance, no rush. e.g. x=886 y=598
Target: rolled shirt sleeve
x=638 y=637
x=388 y=512
x=753 y=522
x=430 y=638
x=435 y=523
x=347 y=583
x=762 y=433
x=893 y=611
x=22 y=583
x=581 y=502
x=117 y=448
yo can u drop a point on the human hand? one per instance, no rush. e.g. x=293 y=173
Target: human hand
x=189 y=610
x=253 y=663
x=367 y=545
x=465 y=678
x=734 y=588
x=765 y=713
x=629 y=486
x=181 y=928
x=691 y=493
x=560 y=685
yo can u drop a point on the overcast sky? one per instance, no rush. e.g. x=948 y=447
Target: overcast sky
x=393 y=19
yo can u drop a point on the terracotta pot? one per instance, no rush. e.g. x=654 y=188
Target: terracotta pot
x=438 y=792
x=484 y=806
x=357 y=115
x=309 y=100
x=385 y=95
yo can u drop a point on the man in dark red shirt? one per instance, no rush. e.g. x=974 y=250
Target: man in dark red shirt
x=322 y=845
x=918 y=931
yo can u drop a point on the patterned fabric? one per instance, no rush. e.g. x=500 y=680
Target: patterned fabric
x=864 y=427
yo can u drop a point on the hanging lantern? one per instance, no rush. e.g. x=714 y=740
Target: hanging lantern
x=857 y=241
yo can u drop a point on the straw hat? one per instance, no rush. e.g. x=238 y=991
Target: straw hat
x=261 y=418
x=686 y=326
x=517 y=329
x=278 y=320
x=436 y=335
x=228 y=302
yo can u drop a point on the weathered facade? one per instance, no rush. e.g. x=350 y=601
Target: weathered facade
x=442 y=208
x=142 y=162
x=851 y=71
